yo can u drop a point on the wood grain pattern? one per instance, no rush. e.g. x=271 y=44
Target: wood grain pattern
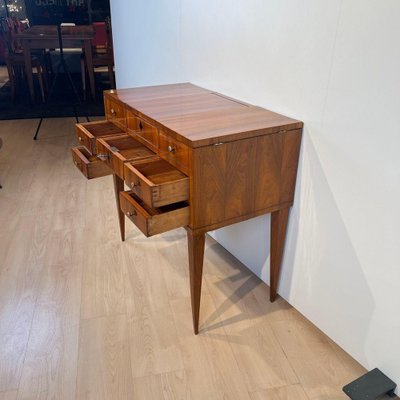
x=52 y=351
x=104 y=368
x=175 y=152
x=115 y=151
x=90 y=166
x=143 y=131
x=196 y=256
x=247 y=325
x=241 y=178
x=283 y=393
x=152 y=221
x=156 y=182
x=279 y=220
x=9 y=395
x=153 y=344
x=88 y=132
x=115 y=112
x=199 y=117
x=223 y=377
x=18 y=293
x=322 y=377
x=171 y=385
x=119 y=187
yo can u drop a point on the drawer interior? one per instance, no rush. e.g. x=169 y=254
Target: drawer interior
x=87 y=155
x=128 y=147
x=153 y=211
x=158 y=171
x=102 y=128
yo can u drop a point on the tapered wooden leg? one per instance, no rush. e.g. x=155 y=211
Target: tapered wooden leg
x=279 y=221
x=119 y=187
x=196 y=257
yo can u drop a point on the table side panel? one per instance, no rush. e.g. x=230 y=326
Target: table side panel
x=243 y=177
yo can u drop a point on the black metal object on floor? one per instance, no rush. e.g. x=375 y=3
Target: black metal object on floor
x=370 y=386
x=64 y=66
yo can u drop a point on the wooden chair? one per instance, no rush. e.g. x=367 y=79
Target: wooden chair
x=103 y=55
x=15 y=62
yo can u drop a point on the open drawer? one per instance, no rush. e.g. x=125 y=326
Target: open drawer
x=88 y=132
x=152 y=221
x=115 y=151
x=156 y=182
x=89 y=165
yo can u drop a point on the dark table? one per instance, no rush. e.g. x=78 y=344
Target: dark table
x=46 y=37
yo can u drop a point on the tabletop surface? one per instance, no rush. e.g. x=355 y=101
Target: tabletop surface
x=201 y=117
x=50 y=32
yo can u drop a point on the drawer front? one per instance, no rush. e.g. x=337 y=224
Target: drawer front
x=88 y=164
x=116 y=151
x=152 y=221
x=88 y=132
x=144 y=131
x=177 y=153
x=115 y=112
x=156 y=182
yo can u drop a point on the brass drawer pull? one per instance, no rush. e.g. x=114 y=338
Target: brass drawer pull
x=131 y=213
x=112 y=111
x=103 y=157
x=80 y=139
x=133 y=184
x=77 y=164
x=171 y=149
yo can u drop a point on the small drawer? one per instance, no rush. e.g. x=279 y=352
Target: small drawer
x=152 y=221
x=145 y=132
x=89 y=165
x=174 y=152
x=156 y=182
x=115 y=112
x=88 y=132
x=115 y=151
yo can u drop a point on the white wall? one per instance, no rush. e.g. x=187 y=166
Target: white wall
x=336 y=66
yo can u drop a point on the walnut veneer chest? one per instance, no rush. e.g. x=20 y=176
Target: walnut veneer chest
x=193 y=158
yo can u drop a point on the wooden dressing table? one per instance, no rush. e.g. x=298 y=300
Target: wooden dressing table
x=193 y=158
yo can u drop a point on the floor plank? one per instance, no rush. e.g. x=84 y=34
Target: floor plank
x=11 y=395
x=50 y=365
x=211 y=369
x=293 y=392
x=104 y=368
x=321 y=372
x=169 y=386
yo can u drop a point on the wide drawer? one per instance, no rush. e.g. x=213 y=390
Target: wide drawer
x=115 y=111
x=144 y=131
x=174 y=152
x=89 y=165
x=152 y=221
x=156 y=182
x=88 y=132
x=115 y=151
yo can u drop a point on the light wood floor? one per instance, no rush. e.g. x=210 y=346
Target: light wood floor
x=85 y=316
